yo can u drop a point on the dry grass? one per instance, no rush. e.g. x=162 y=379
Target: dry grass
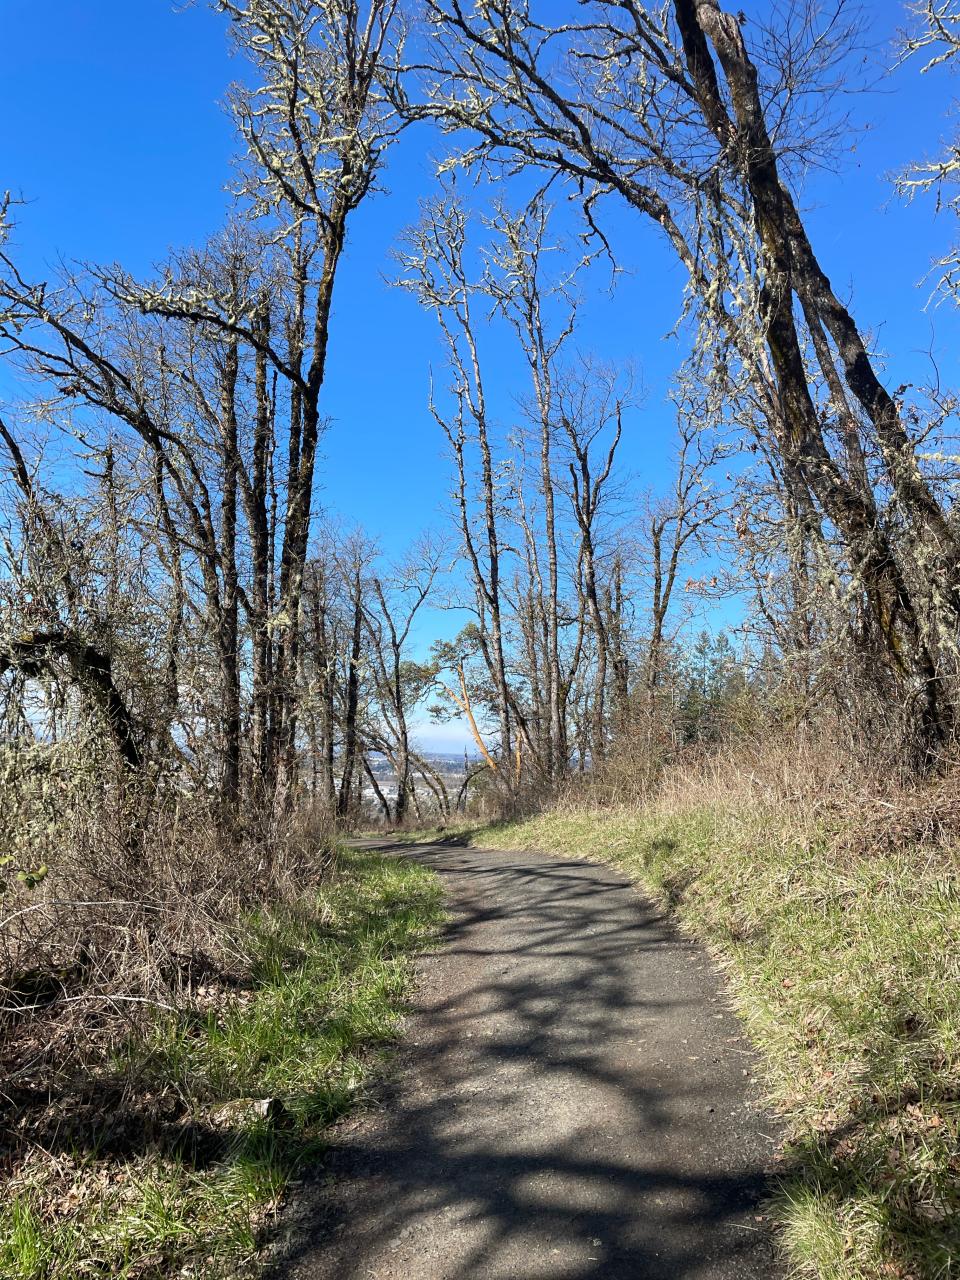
x=135 y=914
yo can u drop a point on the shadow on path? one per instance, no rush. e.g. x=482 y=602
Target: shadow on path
x=572 y=1100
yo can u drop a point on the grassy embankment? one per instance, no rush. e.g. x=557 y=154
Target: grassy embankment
x=234 y=1092
x=837 y=921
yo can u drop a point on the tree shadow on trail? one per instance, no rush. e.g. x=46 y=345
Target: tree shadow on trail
x=547 y=1116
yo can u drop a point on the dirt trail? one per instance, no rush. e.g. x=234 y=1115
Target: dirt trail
x=571 y=1100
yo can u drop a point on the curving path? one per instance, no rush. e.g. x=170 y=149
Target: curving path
x=572 y=1100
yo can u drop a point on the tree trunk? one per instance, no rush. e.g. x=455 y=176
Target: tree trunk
x=799 y=435
x=353 y=702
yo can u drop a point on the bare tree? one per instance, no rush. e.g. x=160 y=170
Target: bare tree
x=669 y=109
x=516 y=283
x=56 y=631
x=316 y=126
x=218 y=366
x=677 y=524
x=435 y=270
x=545 y=487
x=934 y=36
x=395 y=600
x=591 y=416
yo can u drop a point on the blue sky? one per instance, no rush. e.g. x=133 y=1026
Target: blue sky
x=113 y=131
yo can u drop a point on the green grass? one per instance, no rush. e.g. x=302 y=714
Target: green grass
x=328 y=986
x=846 y=971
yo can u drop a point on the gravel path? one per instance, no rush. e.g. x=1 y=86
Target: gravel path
x=571 y=1100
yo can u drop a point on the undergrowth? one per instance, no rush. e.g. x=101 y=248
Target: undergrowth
x=840 y=943
x=226 y=1097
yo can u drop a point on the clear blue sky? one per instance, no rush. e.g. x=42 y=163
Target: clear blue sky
x=112 y=129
